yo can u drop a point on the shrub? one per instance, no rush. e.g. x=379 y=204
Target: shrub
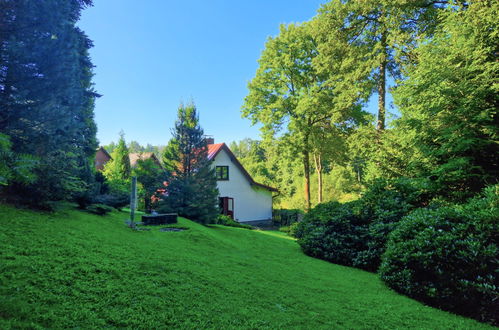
x=447 y=257
x=383 y=205
x=117 y=200
x=334 y=232
x=292 y=229
x=355 y=233
x=99 y=209
x=228 y=221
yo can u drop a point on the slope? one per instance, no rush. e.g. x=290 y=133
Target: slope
x=74 y=269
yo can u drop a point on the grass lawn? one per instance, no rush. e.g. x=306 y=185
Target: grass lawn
x=73 y=269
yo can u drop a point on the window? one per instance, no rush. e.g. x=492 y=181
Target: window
x=222 y=172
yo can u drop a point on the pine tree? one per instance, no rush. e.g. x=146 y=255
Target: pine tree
x=118 y=169
x=192 y=188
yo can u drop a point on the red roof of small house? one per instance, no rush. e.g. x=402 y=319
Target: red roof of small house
x=214 y=149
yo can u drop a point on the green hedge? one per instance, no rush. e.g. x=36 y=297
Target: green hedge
x=355 y=233
x=448 y=257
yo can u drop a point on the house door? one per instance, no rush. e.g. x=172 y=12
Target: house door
x=227 y=206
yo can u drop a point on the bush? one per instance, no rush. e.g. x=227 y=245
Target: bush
x=447 y=257
x=117 y=200
x=355 y=233
x=334 y=232
x=290 y=230
x=228 y=221
x=99 y=209
x=383 y=205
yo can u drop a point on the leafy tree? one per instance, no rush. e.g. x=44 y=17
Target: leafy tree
x=150 y=176
x=191 y=188
x=118 y=168
x=361 y=41
x=449 y=101
x=288 y=94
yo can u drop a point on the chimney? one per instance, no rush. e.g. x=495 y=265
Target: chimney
x=209 y=139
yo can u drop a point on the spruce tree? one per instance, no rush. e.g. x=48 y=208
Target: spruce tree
x=46 y=95
x=192 y=188
x=118 y=168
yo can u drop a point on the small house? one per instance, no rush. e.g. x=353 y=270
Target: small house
x=241 y=198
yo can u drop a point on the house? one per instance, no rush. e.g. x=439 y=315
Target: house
x=134 y=157
x=101 y=158
x=241 y=197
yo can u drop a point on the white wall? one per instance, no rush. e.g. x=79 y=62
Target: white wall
x=250 y=202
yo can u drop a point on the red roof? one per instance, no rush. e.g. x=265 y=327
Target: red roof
x=214 y=149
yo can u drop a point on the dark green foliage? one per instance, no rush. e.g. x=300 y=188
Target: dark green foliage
x=382 y=206
x=334 y=232
x=150 y=176
x=447 y=257
x=46 y=96
x=355 y=233
x=99 y=209
x=191 y=189
x=116 y=199
x=14 y=167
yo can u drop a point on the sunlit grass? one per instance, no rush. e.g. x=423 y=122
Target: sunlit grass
x=73 y=269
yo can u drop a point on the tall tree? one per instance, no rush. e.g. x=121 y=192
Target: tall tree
x=191 y=188
x=288 y=94
x=361 y=42
x=449 y=100
x=46 y=93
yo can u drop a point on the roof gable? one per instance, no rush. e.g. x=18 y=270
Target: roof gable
x=134 y=157
x=214 y=150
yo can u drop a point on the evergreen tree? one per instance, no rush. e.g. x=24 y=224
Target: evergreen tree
x=192 y=188
x=46 y=95
x=118 y=169
x=449 y=101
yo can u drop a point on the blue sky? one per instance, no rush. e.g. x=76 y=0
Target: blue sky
x=151 y=55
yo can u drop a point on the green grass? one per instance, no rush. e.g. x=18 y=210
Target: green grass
x=74 y=269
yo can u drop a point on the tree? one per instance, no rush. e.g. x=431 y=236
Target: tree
x=191 y=187
x=46 y=95
x=14 y=166
x=150 y=176
x=361 y=41
x=288 y=94
x=118 y=168
x=449 y=101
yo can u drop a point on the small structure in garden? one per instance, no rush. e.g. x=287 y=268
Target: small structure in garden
x=172 y=229
x=159 y=219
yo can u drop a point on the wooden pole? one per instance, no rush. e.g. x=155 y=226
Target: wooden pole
x=133 y=197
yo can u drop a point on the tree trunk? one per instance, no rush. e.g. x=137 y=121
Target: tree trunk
x=382 y=85
x=306 y=170
x=318 y=169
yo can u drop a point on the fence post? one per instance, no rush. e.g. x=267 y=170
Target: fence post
x=133 y=203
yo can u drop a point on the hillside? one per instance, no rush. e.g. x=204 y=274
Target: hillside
x=73 y=269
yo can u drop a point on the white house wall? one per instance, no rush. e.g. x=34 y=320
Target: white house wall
x=251 y=203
